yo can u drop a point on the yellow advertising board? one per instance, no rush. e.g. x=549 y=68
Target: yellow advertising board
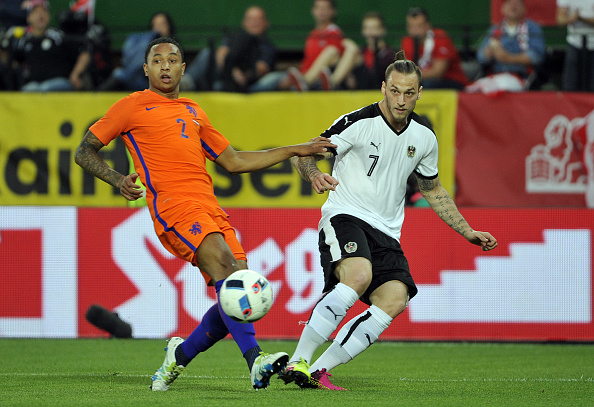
x=40 y=133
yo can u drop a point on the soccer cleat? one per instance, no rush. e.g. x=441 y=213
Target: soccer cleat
x=297 y=372
x=297 y=79
x=320 y=379
x=265 y=366
x=326 y=79
x=169 y=370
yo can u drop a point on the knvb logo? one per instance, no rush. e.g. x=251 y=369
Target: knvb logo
x=196 y=228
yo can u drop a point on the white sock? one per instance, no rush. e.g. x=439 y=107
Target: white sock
x=325 y=318
x=353 y=338
x=333 y=356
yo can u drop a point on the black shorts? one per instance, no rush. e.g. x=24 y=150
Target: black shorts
x=348 y=236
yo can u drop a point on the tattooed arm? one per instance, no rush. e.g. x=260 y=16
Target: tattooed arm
x=87 y=156
x=444 y=206
x=309 y=171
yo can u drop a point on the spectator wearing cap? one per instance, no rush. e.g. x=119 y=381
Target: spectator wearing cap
x=46 y=59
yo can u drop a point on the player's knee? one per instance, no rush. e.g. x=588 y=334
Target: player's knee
x=394 y=306
x=356 y=273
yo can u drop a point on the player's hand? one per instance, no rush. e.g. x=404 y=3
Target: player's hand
x=317 y=145
x=483 y=239
x=129 y=189
x=323 y=182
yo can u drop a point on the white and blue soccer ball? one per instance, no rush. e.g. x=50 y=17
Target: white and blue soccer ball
x=246 y=296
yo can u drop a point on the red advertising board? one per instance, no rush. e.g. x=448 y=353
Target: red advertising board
x=533 y=149
x=536 y=286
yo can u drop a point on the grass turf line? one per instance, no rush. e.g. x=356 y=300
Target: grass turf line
x=114 y=372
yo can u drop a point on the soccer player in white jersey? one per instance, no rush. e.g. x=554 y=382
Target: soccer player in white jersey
x=378 y=147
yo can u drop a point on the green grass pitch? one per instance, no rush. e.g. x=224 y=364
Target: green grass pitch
x=114 y=372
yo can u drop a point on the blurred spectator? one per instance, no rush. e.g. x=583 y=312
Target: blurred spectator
x=45 y=58
x=376 y=54
x=578 y=68
x=130 y=74
x=328 y=56
x=79 y=21
x=433 y=51
x=516 y=45
x=239 y=62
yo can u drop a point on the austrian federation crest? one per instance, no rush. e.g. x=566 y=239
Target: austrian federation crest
x=411 y=151
x=350 y=247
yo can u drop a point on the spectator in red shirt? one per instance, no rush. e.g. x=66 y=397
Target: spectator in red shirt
x=328 y=56
x=433 y=51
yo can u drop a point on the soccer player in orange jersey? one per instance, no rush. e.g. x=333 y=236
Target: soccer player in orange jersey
x=169 y=139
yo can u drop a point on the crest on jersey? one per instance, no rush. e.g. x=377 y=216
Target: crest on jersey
x=350 y=247
x=411 y=151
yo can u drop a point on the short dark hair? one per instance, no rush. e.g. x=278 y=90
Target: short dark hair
x=417 y=11
x=404 y=66
x=163 y=40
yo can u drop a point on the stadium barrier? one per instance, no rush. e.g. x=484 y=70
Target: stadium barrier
x=518 y=155
x=536 y=286
x=37 y=154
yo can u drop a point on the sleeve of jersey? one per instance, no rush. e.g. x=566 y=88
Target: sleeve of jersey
x=114 y=122
x=427 y=167
x=213 y=142
x=342 y=134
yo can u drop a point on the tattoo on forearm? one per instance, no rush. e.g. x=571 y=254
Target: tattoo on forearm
x=443 y=204
x=88 y=158
x=307 y=168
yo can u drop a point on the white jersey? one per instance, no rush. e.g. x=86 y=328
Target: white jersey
x=372 y=164
x=579 y=29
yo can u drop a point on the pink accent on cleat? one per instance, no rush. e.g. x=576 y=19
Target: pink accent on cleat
x=320 y=378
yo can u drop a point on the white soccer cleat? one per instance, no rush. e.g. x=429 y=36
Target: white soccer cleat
x=169 y=370
x=265 y=366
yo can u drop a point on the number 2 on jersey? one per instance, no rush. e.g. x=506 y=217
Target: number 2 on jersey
x=183 y=133
x=374 y=158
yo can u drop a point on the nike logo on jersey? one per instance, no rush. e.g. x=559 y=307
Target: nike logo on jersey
x=195 y=121
x=151 y=108
x=376 y=147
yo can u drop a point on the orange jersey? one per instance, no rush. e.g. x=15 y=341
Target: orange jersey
x=169 y=141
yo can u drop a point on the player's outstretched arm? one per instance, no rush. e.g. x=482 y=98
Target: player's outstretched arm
x=87 y=156
x=444 y=206
x=308 y=170
x=237 y=162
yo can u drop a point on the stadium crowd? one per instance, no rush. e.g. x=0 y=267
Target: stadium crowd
x=77 y=53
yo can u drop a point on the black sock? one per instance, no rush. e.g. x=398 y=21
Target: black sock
x=250 y=356
x=180 y=357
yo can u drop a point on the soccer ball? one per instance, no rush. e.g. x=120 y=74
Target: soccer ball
x=246 y=296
